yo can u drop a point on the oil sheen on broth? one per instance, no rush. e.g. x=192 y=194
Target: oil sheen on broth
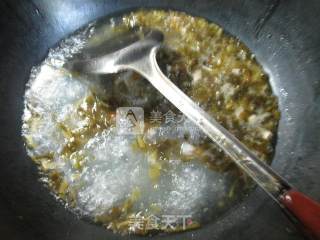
x=172 y=173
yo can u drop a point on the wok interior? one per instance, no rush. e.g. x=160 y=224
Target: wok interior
x=286 y=46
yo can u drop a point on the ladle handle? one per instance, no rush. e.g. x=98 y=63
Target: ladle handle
x=305 y=209
x=263 y=175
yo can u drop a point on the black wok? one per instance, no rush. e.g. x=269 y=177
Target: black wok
x=284 y=35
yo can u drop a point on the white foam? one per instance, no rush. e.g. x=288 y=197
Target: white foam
x=55 y=92
x=46 y=137
x=111 y=172
x=187 y=188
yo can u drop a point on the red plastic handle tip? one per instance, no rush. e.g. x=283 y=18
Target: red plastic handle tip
x=306 y=210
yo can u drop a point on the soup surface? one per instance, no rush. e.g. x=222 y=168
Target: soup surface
x=167 y=176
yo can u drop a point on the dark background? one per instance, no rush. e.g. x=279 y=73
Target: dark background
x=284 y=35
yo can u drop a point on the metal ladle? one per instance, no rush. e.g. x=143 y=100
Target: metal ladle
x=138 y=53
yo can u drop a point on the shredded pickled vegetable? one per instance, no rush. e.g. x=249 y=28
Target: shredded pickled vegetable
x=172 y=169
